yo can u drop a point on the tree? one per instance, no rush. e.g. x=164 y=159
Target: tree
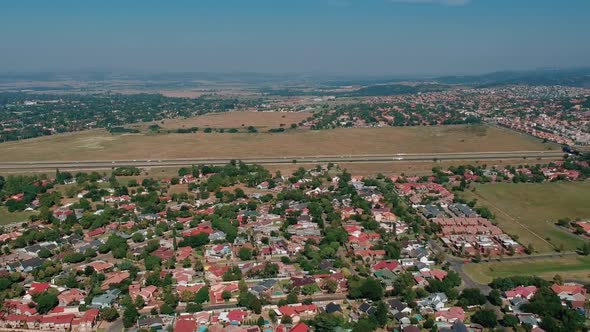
x=260 y=322
x=245 y=254
x=166 y=309
x=130 y=316
x=152 y=263
x=508 y=283
x=109 y=314
x=486 y=318
x=554 y=316
x=196 y=241
x=194 y=307
x=557 y=279
x=372 y=289
x=364 y=325
x=44 y=253
x=71 y=281
x=495 y=297
x=46 y=302
x=586 y=249
x=428 y=323
x=309 y=289
x=138 y=237
x=327 y=322
x=202 y=295
x=242 y=286
x=233 y=274
x=226 y=295
x=510 y=321
x=381 y=313
x=89 y=270
x=471 y=296
x=250 y=301
x=286 y=320
x=117 y=245
x=139 y=302
x=74 y=258
x=292 y=298
x=90 y=253
x=330 y=285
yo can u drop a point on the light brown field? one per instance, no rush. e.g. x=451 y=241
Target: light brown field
x=100 y=145
x=216 y=89
x=238 y=119
x=182 y=93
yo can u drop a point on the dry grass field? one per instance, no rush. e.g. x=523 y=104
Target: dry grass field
x=238 y=119
x=100 y=145
x=196 y=93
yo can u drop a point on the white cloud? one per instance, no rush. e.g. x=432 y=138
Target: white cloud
x=440 y=2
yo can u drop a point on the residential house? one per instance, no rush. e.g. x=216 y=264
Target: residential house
x=435 y=301
x=105 y=300
x=114 y=278
x=450 y=315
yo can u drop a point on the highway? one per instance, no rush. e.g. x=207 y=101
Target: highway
x=400 y=157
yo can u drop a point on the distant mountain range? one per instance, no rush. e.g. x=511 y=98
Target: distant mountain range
x=296 y=84
x=579 y=77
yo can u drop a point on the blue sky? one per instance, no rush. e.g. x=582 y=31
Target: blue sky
x=354 y=37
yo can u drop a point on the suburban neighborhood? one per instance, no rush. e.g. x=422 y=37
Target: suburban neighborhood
x=237 y=248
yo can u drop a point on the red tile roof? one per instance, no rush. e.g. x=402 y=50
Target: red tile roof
x=301 y=327
x=185 y=325
x=38 y=287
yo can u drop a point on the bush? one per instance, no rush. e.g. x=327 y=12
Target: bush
x=194 y=307
x=109 y=314
x=74 y=258
x=166 y=309
x=130 y=316
x=485 y=318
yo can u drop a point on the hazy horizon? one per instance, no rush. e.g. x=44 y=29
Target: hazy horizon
x=305 y=37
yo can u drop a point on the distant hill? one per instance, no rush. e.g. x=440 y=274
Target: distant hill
x=567 y=77
x=395 y=89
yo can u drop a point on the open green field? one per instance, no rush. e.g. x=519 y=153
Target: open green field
x=100 y=145
x=569 y=267
x=530 y=210
x=10 y=217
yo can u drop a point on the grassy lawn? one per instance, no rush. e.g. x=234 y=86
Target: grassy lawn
x=100 y=145
x=10 y=217
x=530 y=210
x=570 y=268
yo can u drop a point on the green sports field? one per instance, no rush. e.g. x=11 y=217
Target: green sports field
x=530 y=210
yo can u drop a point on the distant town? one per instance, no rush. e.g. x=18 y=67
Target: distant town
x=552 y=113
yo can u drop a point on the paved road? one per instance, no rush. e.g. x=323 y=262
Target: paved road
x=401 y=157
x=456 y=264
